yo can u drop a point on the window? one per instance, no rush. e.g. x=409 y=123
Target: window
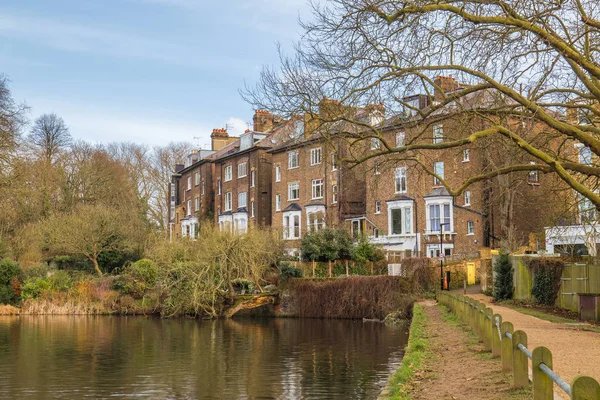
x=242 y=170
x=293 y=159
x=316 y=220
x=277 y=173
x=377 y=207
x=228 y=173
x=315 y=156
x=189 y=186
x=587 y=211
x=277 y=202
x=253 y=178
x=400 y=217
x=317 y=188
x=585 y=155
x=533 y=177
x=252 y=209
x=202 y=188
x=293 y=191
x=334 y=166
x=377 y=171
x=375 y=232
x=197 y=204
x=397 y=221
x=334 y=195
x=439 y=214
x=400 y=138
x=375 y=143
x=467 y=198
x=228 y=202
x=438 y=169
x=470 y=228
x=197 y=178
x=438 y=133
x=466 y=155
x=291 y=225
x=189 y=205
x=219 y=187
x=242 y=200
x=400 y=179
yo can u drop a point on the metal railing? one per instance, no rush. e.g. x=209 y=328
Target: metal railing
x=511 y=347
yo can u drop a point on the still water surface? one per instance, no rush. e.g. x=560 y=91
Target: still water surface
x=66 y=357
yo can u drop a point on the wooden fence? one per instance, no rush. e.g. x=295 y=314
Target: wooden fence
x=502 y=341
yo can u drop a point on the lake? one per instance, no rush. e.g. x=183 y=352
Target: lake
x=74 y=357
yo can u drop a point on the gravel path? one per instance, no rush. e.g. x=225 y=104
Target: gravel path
x=574 y=351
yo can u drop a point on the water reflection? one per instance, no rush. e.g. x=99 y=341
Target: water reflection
x=69 y=357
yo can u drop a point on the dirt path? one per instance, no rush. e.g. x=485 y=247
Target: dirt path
x=574 y=351
x=460 y=368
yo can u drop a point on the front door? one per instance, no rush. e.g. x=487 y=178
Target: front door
x=471 y=273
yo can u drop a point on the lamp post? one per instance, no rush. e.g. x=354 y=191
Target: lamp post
x=442 y=254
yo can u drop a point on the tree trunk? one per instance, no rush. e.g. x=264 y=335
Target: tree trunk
x=96 y=267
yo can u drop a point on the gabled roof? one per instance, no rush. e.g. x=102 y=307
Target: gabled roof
x=292 y=207
x=400 y=197
x=438 y=192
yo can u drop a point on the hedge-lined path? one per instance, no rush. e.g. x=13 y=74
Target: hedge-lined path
x=574 y=351
x=459 y=368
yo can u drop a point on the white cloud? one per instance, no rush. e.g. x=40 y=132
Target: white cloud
x=236 y=126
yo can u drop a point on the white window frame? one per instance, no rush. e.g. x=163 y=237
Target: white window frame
x=319 y=224
x=585 y=155
x=317 y=189
x=277 y=173
x=377 y=207
x=242 y=199
x=375 y=143
x=400 y=139
x=438 y=169
x=440 y=201
x=438 y=133
x=407 y=217
x=289 y=225
x=203 y=189
x=470 y=228
x=252 y=209
x=253 y=178
x=242 y=169
x=334 y=194
x=293 y=159
x=189 y=206
x=467 y=198
x=400 y=180
x=197 y=203
x=334 y=166
x=277 y=202
x=219 y=188
x=228 y=173
x=377 y=170
x=291 y=187
x=228 y=201
x=197 y=178
x=466 y=155
x=189 y=183
x=315 y=156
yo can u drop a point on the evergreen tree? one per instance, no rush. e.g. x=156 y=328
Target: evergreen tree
x=503 y=281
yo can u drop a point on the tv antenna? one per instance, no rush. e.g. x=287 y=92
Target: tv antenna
x=197 y=139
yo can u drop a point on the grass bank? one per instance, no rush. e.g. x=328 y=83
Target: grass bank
x=412 y=363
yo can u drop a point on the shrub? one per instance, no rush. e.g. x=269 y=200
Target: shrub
x=61 y=281
x=144 y=270
x=327 y=245
x=243 y=286
x=503 y=281
x=365 y=251
x=546 y=279
x=286 y=271
x=35 y=287
x=10 y=272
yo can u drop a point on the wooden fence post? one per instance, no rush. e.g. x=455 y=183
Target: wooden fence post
x=520 y=361
x=507 y=346
x=314 y=268
x=487 y=328
x=585 y=388
x=330 y=271
x=496 y=339
x=542 y=383
x=347 y=269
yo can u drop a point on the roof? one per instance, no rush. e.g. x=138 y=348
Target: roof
x=315 y=203
x=400 y=197
x=438 y=192
x=292 y=207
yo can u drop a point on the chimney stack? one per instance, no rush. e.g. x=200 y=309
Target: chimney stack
x=219 y=138
x=444 y=85
x=263 y=121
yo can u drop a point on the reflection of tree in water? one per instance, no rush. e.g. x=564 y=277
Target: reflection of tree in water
x=270 y=358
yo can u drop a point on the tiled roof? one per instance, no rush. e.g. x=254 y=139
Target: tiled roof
x=293 y=207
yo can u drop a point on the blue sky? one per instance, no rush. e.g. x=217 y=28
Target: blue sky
x=148 y=71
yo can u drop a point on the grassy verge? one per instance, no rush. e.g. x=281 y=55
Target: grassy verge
x=412 y=362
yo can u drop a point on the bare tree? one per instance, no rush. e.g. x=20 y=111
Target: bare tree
x=49 y=136
x=531 y=63
x=12 y=119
